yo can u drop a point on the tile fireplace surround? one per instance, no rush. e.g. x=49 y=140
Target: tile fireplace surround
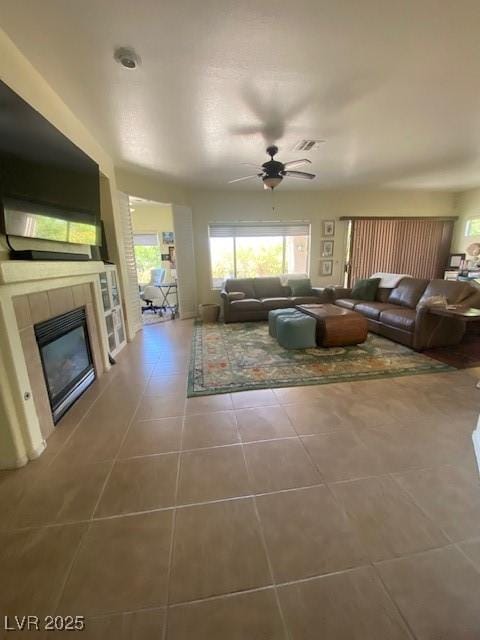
x=31 y=292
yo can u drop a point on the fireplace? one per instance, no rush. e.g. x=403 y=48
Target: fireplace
x=66 y=358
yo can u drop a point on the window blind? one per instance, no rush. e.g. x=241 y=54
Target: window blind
x=145 y=239
x=258 y=229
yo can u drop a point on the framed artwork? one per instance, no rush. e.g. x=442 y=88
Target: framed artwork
x=328 y=228
x=455 y=260
x=171 y=253
x=326 y=267
x=165 y=257
x=327 y=248
x=168 y=237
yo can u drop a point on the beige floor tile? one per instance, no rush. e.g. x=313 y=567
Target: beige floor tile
x=34 y=564
x=291 y=395
x=346 y=606
x=307 y=534
x=247 y=616
x=450 y=495
x=154 y=407
x=256 y=398
x=212 y=474
x=437 y=592
x=471 y=548
x=97 y=441
x=408 y=448
x=209 y=404
x=313 y=417
x=387 y=521
x=263 y=423
x=121 y=566
x=210 y=430
x=141 y=625
x=166 y=385
x=145 y=437
x=343 y=456
x=15 y=484
x=370 y=412
x=140 y=484
x=61 y=494
x=280 y=464
x=218 y=549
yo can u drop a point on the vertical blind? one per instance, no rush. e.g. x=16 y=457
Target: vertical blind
x=415 y=246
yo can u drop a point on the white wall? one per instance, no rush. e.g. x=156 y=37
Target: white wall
x=229 y=205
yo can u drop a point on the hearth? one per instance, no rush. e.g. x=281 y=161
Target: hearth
x=66 y=359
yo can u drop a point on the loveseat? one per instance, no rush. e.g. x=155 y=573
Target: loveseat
x=402 y=313
x=247 y=299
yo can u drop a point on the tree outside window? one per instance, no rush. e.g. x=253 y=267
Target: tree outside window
x=244 y=256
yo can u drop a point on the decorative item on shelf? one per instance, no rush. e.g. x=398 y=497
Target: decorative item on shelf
x=168 y=237
x=326 y=267
x=473 y=250
x=327 y=248
x=455 y=260
x=451 y=274
x=328 y=228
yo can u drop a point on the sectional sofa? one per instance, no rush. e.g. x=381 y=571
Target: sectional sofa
x=400 y=313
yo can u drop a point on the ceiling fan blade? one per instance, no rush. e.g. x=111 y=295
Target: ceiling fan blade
x=299 y=174
x=251 y=164
x=297 y=163
x=255 y=175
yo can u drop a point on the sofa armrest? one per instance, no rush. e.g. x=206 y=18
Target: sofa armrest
x=224 y=294
x=436 y=331
x=339 y=292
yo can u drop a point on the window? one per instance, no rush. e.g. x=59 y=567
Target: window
x=472 y=227
x=257 y=249
x=147 y=255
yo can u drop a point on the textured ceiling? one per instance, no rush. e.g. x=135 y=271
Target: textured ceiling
x=392 y=87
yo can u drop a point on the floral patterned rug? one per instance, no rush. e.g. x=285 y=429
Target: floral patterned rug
x=243 y=356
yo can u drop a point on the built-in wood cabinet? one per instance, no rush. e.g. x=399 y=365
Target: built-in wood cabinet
x=112 y=308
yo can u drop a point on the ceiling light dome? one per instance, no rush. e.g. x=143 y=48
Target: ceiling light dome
x=270 y=182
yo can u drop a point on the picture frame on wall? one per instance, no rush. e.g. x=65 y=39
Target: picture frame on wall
x=326 y=248
x=328 y=228
x=168 y=237
x=326 y=267
x=455 y=260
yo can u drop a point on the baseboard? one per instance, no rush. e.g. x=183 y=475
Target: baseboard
x=16 y=463
x=33 y=454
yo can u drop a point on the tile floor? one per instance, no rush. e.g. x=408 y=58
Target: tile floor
x=341 y=512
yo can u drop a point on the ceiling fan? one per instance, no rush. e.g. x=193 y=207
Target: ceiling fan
x=273 y=171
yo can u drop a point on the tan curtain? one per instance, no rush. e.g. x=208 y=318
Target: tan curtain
x=418 y=247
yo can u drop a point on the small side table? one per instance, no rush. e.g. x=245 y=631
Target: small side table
x=166 y=289
x=467 y=314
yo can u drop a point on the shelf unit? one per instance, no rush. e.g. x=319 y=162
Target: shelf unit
x=112 y=309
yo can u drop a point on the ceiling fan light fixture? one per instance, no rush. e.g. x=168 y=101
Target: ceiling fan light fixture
x=272 y=181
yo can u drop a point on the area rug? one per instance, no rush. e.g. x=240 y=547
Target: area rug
x=242 y=356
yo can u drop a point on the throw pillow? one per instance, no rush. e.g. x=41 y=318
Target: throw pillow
x=365 y=289
x=300 y=287
x=236 y=295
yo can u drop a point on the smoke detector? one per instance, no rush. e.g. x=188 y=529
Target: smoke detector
x=307 y=145
x=127 y=57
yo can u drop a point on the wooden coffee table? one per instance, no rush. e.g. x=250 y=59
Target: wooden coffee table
x=336 y=327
